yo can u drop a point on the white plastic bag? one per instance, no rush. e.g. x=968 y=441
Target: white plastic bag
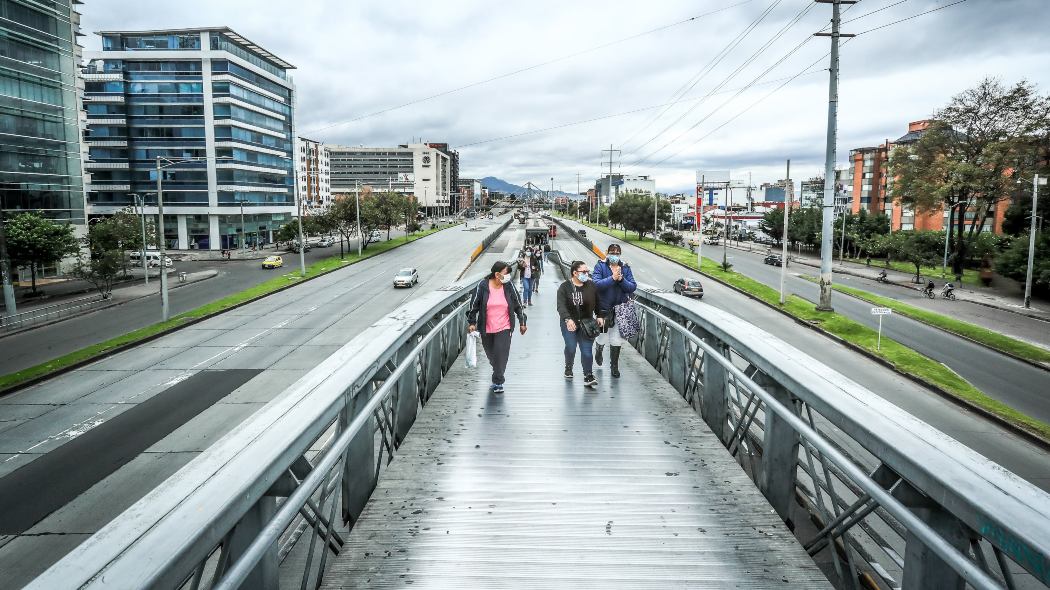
x=472 y=349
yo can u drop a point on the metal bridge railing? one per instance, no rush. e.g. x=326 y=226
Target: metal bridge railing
x=231 y=516
x=52 y=312
x=903 y=504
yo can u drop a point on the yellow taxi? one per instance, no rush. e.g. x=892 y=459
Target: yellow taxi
x=694 y=242
x=273 y=262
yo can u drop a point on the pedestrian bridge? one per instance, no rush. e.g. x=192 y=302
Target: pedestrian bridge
x=722 y=458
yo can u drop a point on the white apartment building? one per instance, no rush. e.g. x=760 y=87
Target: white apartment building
x=313 y=173
x=415 y=169
x=609 y=187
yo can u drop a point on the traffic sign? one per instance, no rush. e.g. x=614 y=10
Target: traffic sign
x=881 y=310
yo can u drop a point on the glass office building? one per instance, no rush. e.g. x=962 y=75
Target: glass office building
x=220 y=112
x=40 y=154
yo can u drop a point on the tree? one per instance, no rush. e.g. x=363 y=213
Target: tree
x=671 y=238
x=772 y=224
x=921 y=248
x=634 y=211
x=101 y=270
x=859 y=228
x=288 y=232
x=37 y=242
x=970 y=158
x=372 y=217
x=342 y=218
x=1013 y=262
x=121 y=232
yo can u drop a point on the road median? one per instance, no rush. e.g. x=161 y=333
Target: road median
x=910 y=363
x=32 y=375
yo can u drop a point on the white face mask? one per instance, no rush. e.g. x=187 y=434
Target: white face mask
x=503 y=278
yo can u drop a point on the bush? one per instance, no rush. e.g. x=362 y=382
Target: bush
x=672 y=238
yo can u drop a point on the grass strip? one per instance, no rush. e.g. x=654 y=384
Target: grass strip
x=982 y=335
x=328 y=264
x=906 y=360
x=970 y=276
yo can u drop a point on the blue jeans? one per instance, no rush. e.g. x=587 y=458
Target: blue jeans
x=526 y=285
x=574 y=339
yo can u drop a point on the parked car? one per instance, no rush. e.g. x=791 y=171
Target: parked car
x=325 y=242
x=406 y=277
x=152 y=259
x=273 y=262
x=774 y=259
x=689 y=288
x=582 y=232
x=711 y=241
x=375 y=236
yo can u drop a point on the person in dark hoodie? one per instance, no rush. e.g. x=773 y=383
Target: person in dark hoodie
x=615 y=283
x=493 y=307
x=578 y=303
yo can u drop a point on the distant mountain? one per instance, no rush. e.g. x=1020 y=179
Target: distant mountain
x=494 y=184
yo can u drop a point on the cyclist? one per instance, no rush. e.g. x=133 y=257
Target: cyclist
x=928 y=291
x=947 y=290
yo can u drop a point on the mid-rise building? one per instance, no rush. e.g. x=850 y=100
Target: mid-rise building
x=415 y=169
x=611 y=186
x=313 y=174
x=220 y=113
x=40 y=134
x=470 y=190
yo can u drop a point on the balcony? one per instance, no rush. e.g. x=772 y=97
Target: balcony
x=105 y=165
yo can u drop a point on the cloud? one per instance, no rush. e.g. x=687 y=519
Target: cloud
x=354 y=59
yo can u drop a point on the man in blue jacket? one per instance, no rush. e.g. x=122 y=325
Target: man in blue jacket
x=615 y=283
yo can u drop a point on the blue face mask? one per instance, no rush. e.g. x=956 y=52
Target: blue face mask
x=583 y=277
x=613 y=259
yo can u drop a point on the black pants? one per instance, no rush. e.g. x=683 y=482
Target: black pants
x=497 y=348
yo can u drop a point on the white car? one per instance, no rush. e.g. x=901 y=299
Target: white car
x=406 y=277
x=152 y=259
x=375 y=236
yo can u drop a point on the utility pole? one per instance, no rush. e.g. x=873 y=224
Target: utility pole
x=827 y=227
x=784 y=252
x=160 y=242
x=700 y=224
x=1036 y=181
x=610 y=150
x=242 y=244
x=656 y=222
x=842 y=242
x=577 y=195
x=302 y=240
x=5 y=271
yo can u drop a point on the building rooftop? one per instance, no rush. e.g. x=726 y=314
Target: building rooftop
x=250 y=46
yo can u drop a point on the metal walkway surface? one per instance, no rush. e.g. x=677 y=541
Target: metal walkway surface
x=553 y=485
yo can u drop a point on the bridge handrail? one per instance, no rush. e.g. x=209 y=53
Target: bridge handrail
x=170 y=533
x=1010 y=513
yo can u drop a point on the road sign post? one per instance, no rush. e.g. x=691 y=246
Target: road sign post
x=880 y=311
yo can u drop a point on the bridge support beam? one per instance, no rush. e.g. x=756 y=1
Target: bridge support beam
x=651 y=342
x=715 y=403
x=359 y=468
x=265 y=575
x=676 y=359
x=779 y=453
x=923 y=569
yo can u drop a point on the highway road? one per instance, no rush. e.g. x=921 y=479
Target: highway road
x=1014 y=383
x=81 y=448
x=27 y=349
x=988 y=439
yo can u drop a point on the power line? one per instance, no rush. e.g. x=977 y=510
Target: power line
x=733 y=74
x=540 y=65
x=797 y=75
x=631 y=112
x=867 y=14
x=692 y=82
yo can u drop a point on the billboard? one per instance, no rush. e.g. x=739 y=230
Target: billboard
x=406 y=177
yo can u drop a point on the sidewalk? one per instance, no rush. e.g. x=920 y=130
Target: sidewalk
x=988 y=296
x=136 y=290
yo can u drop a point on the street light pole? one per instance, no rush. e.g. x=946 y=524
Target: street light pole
x=302 y=240
x=160 y=243
x=5 y=272
x=788 y=201
x=1036 y=181
x=241 y=203
x=357 y=205
x=141 y=201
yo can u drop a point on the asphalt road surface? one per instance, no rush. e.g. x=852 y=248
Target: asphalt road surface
x=30 y=348
x=988 y=439
x=79 y=449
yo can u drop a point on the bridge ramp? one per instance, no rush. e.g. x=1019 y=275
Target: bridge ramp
x=553 y=485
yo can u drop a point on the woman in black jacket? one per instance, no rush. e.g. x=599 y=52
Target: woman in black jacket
x=493 y=307
x=577 y=303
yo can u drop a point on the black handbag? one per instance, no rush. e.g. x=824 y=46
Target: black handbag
x=587 y=327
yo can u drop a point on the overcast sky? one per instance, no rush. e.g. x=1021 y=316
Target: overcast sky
x=357 y=58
